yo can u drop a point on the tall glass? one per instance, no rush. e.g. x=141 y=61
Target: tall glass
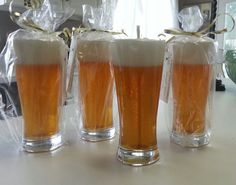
x=192 y=88
x=96 y=85
x=138 y=72
x=40 y=79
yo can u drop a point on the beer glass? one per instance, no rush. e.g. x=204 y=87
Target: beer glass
x=192 y=88
x=40 y=78
x=137 y=68
x=96 y=84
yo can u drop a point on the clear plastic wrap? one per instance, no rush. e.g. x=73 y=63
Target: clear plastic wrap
x=96 y=81
x=191 y=62
x=49 y=16
x=191 y=19
x=37 y=61
x=10 y=127
x=101 y=17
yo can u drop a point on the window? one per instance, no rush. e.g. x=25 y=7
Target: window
x=153 y=16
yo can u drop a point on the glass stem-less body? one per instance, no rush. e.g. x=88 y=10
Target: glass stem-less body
x=191 y=88
x=138 y=96
x=40 y=90
x=96 y=96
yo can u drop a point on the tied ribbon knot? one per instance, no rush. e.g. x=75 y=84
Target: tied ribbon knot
x=82 y=30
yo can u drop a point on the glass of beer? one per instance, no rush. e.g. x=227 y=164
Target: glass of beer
x=137 y=68
x=192 y=88
x=40 y=70
x=96 y=86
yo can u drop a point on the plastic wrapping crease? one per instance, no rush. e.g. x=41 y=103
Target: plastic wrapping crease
x=29 y=48
x=97 y=107
x=50 y=15
x=189 y=70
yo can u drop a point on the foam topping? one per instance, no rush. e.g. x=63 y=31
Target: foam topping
x=138 y=52
x=202 y=52
x=93 y=51
x=35 y=51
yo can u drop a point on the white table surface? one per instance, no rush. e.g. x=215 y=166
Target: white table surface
x=83 y=163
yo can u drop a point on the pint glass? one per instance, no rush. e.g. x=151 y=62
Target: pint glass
x=96 y=85
x=192 y=88
x=40 y=79
x=137 y=67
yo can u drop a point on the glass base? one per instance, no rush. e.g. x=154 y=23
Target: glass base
x=98 y=135
x=190 y=141
x=43 y=145
x=137 y=157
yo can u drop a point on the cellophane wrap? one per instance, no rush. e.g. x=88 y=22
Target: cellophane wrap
x=10 y=127
x=50 y=15
x=191 y=19
x=36 y=61
x=189 y=78
x=101 y=17
x=96 y=91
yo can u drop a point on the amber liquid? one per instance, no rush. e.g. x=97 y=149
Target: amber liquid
x=138 y=91
x=96 y=95
x=191 y=87
x=40 y=90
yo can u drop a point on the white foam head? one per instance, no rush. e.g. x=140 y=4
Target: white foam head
x=93 y=51
x=138 y=52
x=39 y=51
x=200 y=51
